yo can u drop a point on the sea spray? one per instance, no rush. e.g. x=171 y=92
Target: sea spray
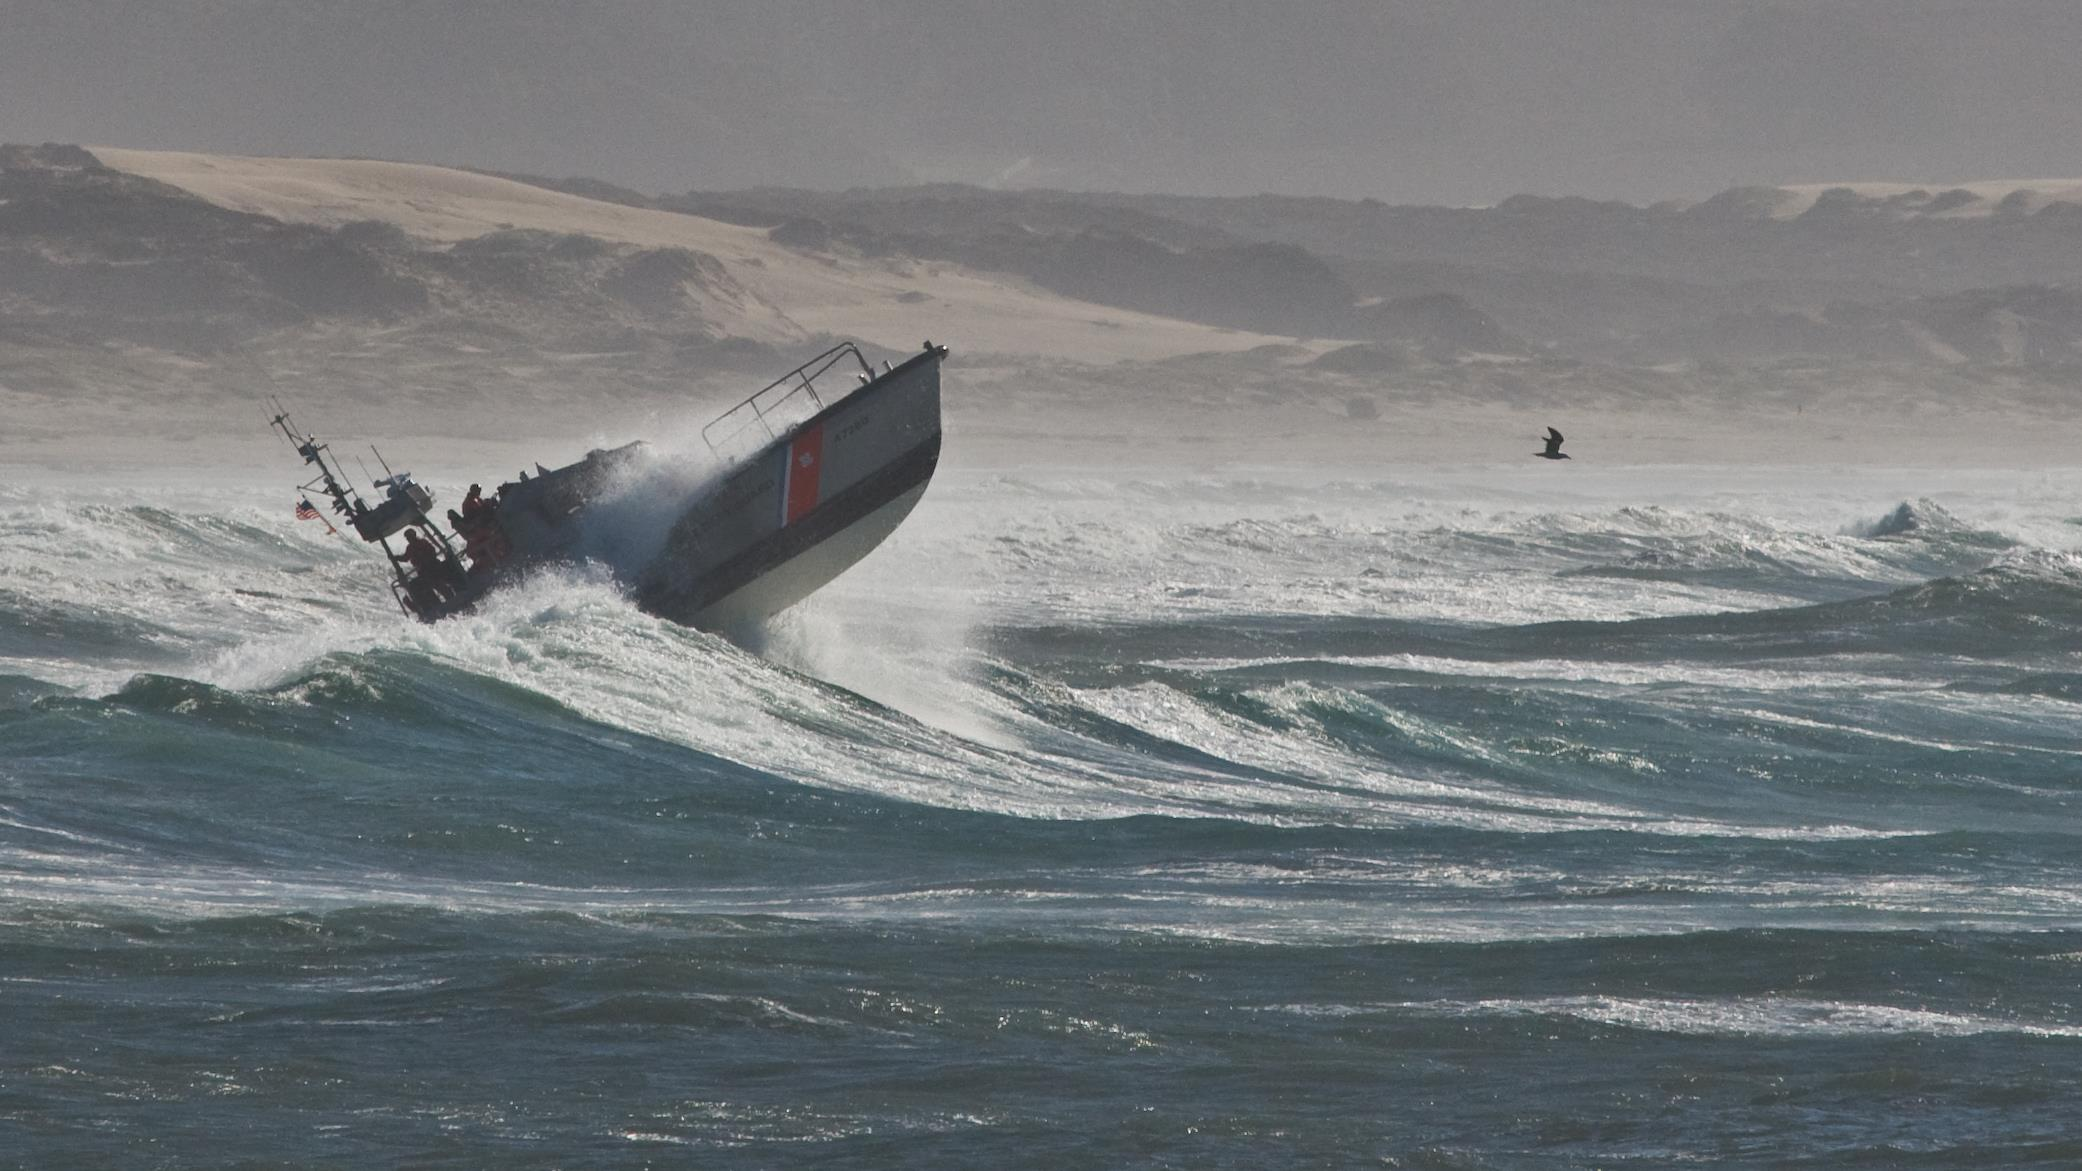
x=625 y=526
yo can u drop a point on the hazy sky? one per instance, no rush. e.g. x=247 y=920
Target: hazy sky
x=1455 y=101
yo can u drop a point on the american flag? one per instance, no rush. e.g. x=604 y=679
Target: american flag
x=305 y=510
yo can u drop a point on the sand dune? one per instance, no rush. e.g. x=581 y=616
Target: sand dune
x=893 y=302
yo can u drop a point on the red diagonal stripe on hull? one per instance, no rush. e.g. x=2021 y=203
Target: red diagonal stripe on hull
x=805 y=465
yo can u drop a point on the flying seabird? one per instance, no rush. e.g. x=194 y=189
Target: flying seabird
x=1554 y=450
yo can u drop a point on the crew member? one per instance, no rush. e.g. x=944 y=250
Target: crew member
x=421 y=553
x=484 y=541
x=427 y=570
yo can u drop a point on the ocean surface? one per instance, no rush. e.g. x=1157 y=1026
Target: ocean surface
x=1536 y=816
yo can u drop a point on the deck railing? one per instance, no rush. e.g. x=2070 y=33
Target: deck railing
x=760 y=408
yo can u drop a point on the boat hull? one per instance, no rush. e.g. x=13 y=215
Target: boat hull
x=803 y=509
x=808 y=571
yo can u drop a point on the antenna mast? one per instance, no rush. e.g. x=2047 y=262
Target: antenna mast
x=346 y=501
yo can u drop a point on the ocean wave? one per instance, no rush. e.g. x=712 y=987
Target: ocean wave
x=1199 y=794
x=1278 y=685
x=1772 y=1016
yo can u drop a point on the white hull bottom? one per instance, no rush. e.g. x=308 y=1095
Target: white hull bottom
x=797 y=578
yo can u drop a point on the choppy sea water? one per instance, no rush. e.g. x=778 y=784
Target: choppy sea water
x=1560 y=817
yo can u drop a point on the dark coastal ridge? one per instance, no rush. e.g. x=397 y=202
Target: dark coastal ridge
x=1761 y=299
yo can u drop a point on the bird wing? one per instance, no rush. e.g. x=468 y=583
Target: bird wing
x=1553 y=436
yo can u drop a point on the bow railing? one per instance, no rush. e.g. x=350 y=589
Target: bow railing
x=783 y=398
